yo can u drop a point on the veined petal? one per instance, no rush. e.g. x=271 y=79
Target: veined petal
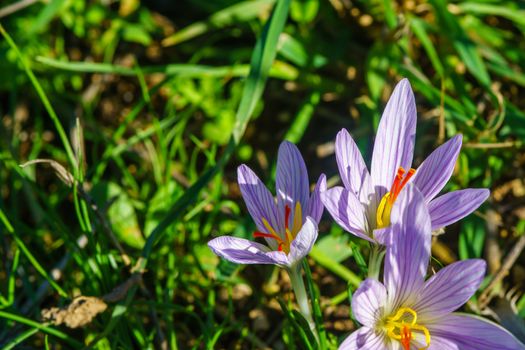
x=453 y=206
x=408 y=248
x=259 y=200
x=241 y=251
x=364 y=339
x=449 y=289
x=279 y=258
x=471 y=332
x=435 y=171
x=291 y=179
x=395 y=138
x=352 y=168
x=346 y=210
x=304 y=241
x=436 y=343
x=315 y=206
x=369 y=301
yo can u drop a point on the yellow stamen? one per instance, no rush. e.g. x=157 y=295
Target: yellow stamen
x=297 y=219
x=383 y=211
x=289 y=235
x=400 y=329
x=285 y=246
x=387 y=202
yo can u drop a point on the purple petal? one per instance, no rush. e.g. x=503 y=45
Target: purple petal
x=433 y=174
x=259 y=200
x=315 y=206
x=394 y=143
x=436 y=343
x=453 y=206
x=304 y=241
x=346 y=210
x=280 y=258
x=450 y=288
x=408 y=248
x=470 y=332
x=243 y=251
x=364 y=339
x=368 y=302
x=291 y=180
x=352 y=167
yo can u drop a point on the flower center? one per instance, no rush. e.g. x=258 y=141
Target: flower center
x=402 y=325
x=387 y=202
x=289 y=234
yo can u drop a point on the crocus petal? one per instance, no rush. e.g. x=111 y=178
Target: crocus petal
x=364 y=339
x=449 y=289
x=433 y=174
x=291 y=180
x=346 y=210
x=408 y=247
x=352 y=167
x=453 y=206
x=436 y=343
x=471 y=332
x=304 y=241
x=258 y=199
x=279 y=258
x=241 y=251
x=368 y=302
x=315 y=206
x=394 y=143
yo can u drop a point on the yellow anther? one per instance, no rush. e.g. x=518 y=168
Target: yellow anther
x=387 y=202
x=401 y=326
x=383 y=211
x=297 y=219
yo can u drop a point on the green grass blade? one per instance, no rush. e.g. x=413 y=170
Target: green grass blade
x=40 y=91
x=240 y=12
x=41 y=327
x=333 y=266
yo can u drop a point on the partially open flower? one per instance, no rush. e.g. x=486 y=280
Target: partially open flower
x=363 y=206
x=408 y=313
x=289 y=226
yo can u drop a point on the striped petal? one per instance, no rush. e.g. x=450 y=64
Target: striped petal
x=433 y=174
x=408 y=248
x=453 y=206
x=352 y=168
x=346 y=210
x=291 y=179
x=470 y=332
x=369 y=301
x=315 y=206
x=450 y=288
x=303 y=242
x=364 y=339
x=243 y=251
x=395 y=138
x=259 y=200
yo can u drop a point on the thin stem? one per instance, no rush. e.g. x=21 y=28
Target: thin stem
x=374 y=261
x=300 y=295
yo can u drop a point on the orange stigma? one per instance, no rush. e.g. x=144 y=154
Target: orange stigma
x=388 y=200
x=406 y=337
x=402 y=325
x=289 y=234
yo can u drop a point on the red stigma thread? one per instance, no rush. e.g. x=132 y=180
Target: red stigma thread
x=273 y=234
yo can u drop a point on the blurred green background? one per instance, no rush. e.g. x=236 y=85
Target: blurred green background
x=151 y=106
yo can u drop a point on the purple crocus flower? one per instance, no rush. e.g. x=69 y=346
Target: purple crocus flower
x=288 y=226
x=406 y=312
x=362 y=207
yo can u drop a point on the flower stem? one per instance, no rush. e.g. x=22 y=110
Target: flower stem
x=374 y=261
x=300 y=295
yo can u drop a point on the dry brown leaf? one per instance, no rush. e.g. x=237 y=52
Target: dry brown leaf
x=77 y=314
